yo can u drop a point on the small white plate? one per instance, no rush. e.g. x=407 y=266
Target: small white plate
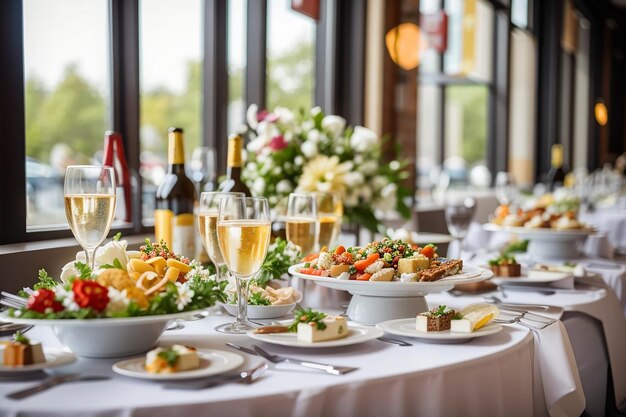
x=54 y=357
x=358 y=334
x=537 y=277
x=406 y=327
x=212 y=362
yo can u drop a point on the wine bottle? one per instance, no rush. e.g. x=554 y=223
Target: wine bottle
x=556 y=175
x=175 y=200
x=114 y=157
x=233 y=182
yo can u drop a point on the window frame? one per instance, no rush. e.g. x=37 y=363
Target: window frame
x=336 y=18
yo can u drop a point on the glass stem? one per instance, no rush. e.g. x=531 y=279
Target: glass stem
x=218 y=272
x=242 y=299
x=461 y=248
x=90 y=256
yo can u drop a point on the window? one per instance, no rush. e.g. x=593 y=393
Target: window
x=67 y=103
x=290 y=57
x=170 y=40
x=237 y=18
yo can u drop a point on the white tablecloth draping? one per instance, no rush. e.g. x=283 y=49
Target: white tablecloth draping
x=599 y=304
x=611 y=221
x=490 y=376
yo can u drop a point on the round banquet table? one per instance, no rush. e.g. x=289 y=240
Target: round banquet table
x=489 y=376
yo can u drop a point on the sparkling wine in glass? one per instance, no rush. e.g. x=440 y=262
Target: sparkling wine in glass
x=243 y=234
x=302 y=221
x=459 y=211
x=207 y=224
x=329 y=214
x=89 y=205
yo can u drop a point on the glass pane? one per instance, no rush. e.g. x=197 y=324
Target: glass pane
x=170 y=41
x=429 y=132
x=519 y=13
x=465 y=128
x=237 y=23
x=67 y=97
x=290 y=57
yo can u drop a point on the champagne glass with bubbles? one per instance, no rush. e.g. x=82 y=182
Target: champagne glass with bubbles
x=302 y=221
x=329 y=213
x=243 y=234
x=207 y=224
x=89 y=205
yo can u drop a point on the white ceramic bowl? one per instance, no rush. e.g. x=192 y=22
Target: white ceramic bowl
x=107 y=338
x=262 y=312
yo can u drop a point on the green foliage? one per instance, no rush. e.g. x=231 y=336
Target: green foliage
x=290 y=78
x=257 y=299
x=45 y=281
x=84 y=270
x=277 y=262
x=472 y=102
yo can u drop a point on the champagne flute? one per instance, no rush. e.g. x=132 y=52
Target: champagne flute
x=459 y=211
x=89 y=205
x=302 y=221
x=243 y=234
x=207 y=223
x=329 y=214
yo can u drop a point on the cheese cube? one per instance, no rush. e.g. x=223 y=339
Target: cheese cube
x=461 y=325
x=336 y=328
x=187 y=359
x=412 y=265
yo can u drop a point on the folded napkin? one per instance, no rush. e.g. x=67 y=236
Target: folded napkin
x=556 y=363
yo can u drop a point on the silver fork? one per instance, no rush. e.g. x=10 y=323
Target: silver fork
x=329 y=369
x=518 y=320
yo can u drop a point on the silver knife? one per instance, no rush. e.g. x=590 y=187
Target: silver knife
x=53 y=382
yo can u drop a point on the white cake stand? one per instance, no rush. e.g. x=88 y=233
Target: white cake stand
x=375 y=301
x=547 y=244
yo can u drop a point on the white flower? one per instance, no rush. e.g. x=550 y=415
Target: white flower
x=288 y=136
x=388 y=198
x=284 y=187
x=309 y=149
x=113 y=250
x=273 y=200
x=351 y=199
x=256 y=144
x=354 y=178
x=184 y=297
x=313 y=136
x=378 y=182
x=333 y=125
x=67 y=298
x=368 y=167
x=316 y=110
x=365 y=193
x=251 y=116
x=284 y=115
x=68 y=271
x=339 y=149
x=363 y=139
x=307 y=125
x=276 y=170
x=118 y=301
x=298 y=160
x=394 y=165
x=251 y=166
x=258 y=186
x=358 y=159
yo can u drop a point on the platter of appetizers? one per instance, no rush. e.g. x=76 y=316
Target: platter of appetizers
x=314 y=329
x=387 y=268
x=23 y=355
x=445 y=325
x=179 y=362
x=540 y=219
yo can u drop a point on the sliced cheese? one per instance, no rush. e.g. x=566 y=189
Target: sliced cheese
x=336 y=328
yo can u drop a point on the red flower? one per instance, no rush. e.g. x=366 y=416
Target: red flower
x=43 y=300
x=90 y=294
x=277 y=143
x=267 y=116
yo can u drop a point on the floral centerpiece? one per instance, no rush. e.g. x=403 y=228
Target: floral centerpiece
x=312 y=152
x=151 y=281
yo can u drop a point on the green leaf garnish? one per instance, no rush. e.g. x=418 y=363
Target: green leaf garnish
x=307 y=316
x=257 y=299
x=117 y=237
x=170 y=356
x=116 y=265
x=20 y=338
x=83 y=269
x=45 y=281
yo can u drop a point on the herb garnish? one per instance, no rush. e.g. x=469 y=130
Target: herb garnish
x=83 y=269
x=170 y=356
x=440 y=311
x=117 y=237
x=20 y=338
x=280 y=256
x=116 y=265
x=257 y=299
x=45 y=281
x=307 y=316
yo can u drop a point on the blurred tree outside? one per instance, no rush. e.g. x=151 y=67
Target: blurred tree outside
x=473 y=101
x=291 y=78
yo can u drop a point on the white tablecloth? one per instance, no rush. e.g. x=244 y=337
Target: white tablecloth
x=612 y=221
x=490 y=376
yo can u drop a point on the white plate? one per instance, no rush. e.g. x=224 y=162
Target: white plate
x=547 y=234
x=54 y=357
x=358 y=334
x=396 y=288
x=212 y=362
x=543 y=277
x=406 y=327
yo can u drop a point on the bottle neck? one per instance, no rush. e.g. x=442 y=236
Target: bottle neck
x=176 y=152
x=235 y=147
x=557 y=156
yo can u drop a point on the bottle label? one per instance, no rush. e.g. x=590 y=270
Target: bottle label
x=177 y=231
